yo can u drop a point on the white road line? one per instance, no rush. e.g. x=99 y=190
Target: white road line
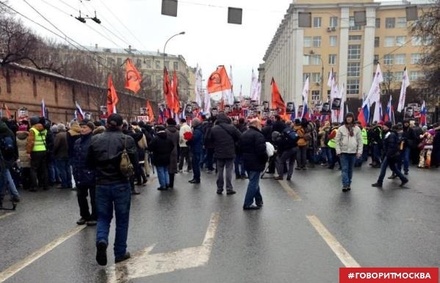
x=14 y=269
x=331 y=241
x=294 y=195
x=6 y=215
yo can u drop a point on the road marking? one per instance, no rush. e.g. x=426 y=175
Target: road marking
x=14 y=269
x=289 y=190
x=331 y=241
x=6 y=214
x=145 y=264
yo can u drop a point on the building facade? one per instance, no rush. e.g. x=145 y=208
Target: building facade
x=336 y=40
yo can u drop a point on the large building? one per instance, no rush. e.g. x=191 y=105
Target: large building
x=337 y=41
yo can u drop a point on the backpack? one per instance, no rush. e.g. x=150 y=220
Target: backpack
x=127 y=169
x=291 y=135
x=7 y=147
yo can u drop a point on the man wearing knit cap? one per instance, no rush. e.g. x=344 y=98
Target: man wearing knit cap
x=113 y=189
x=349 y=146
x=392 y=155
x=84 y=175
x=196 y=147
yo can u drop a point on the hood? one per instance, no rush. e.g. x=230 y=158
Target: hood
x=22 y=135
x=162 y=134
x=99 y=130
x=75 y=130
x=222 y=118
x=172 y=129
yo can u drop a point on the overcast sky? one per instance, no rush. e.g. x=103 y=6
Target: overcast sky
x=208 y=41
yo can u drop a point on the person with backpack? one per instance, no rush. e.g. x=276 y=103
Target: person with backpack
x=301 y=155
x=286 y=144
x=9 y=155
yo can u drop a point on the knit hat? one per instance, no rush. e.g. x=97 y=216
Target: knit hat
x=34 y=120
x=388 y=124
x=115 y=120
x=196 y=122
x=88 y=123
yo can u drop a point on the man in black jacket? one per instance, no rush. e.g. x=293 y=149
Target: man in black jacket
x=224 y=136
x=112 y=187
x=392 y=155
x=253 y=148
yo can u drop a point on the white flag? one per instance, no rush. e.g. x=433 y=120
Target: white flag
x=343 y=97
x=254 y=86
x=374 y=93
x=199 y=86
x=402 y=97
x=229 y=98
x=305 y=95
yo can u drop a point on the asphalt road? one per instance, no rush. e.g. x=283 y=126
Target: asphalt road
x=305 y=232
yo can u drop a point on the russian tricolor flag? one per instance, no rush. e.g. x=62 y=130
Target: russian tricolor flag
x=43 y=109
x=364 y=115
x=389 y=112
x=423 y=114
x=79 y=112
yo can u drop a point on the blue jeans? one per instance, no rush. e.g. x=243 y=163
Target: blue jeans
x=406 y=155
x=6 y=180
x=163 y=176
x=196 y=165
x=118 y=196
x=347 y=164
x=239 y=166
x=64 y=172
x=253 y=189
x=393 y=166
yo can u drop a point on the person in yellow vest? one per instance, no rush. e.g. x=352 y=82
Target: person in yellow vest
x=37 y=152
x=365 y=149
x=332 y=146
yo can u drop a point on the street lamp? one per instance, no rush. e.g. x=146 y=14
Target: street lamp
x=165 y=45
x=312 y=54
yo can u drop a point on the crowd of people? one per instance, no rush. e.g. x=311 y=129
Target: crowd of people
x=85 y=155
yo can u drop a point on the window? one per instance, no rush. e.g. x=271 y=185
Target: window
x=306 y=59
x=176 y=66
x=353 y=86
x=110 y=61
x=399 y=59
x=400 y=40
x=166 y=64
x=352 y=25
x=332 y=59
x=333 y=40
x=316 y=96
x=315 y=78
x=388 y=59
x=138 y=63
x=376 y=59
x=390 y=22
x=415 y=58
x=147 y=79
x=415 y=75
x=376 y=41
x=354 y=52
x=355 y=37
x=377 y=22
x=398 y=76
x=119 y=61
x=333 y=22
x=388 y=76
x=315 y=60
x=389 y=41
x=307 y=41
x=416 y=41
x=317 y=22
x=353 y=69
x=148 y=63
x=401 y=22
x=316 y=41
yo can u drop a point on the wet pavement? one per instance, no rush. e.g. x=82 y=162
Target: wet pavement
x=305 y=232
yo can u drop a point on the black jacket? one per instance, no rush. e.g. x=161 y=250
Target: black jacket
x=391 y=145
x=84 y=175
x=161 y=147
x=253 y=149
x=224 y=135
x=104 y=155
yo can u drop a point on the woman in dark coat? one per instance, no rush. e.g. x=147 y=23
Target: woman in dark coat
x=173 y=135
x=161 y=147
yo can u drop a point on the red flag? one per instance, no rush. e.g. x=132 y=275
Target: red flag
x=132 y=77
x=150 y=112
x=277 y=100
x=112 y=96
x=219 y=84
x=175 y=92
x=167 y=89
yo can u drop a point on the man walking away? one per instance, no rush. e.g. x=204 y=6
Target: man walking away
x=253 y=148
x=113 y=190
